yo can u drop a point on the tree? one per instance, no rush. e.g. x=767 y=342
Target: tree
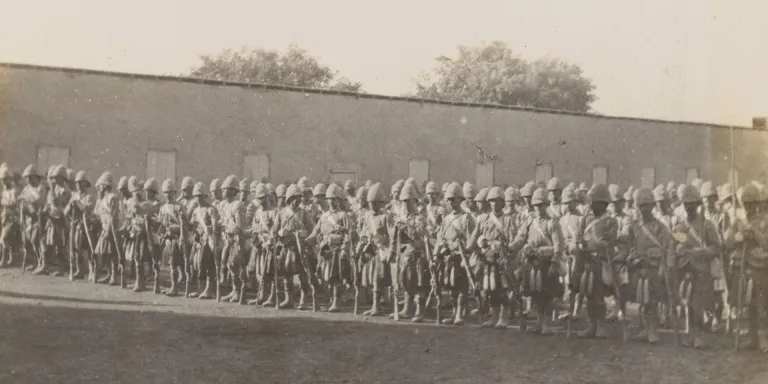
x=295 y=67
x=492 y=73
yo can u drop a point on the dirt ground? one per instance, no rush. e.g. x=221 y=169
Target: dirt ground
x=52 y=330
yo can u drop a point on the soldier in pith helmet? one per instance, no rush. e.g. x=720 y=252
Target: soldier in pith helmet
x=71 y=179
x=540 y=244
x=349 y=188
x=262 y=253
x=470 y=192
x=54 y=242
x=698 y=244
x=629 y=202
x=80 y=211
x=204 y=219
x=512 y=199
x=672 y=194
x=374 y=248
x=581 y=195
x=592 y=277
x=393 y=208
x=138 y=221
x=236 y=251
x=280 y=191
x=555 y=190
x=747 y=242
x=10 y=239
x=710 y=212
x=214 y=189
x=32 y=200
x=572 y=226
x=272 y=195
x=651 y=257
x=490 y=240
x=481 y=203
x=292 y=225
x=170 y=218
x=108 y=248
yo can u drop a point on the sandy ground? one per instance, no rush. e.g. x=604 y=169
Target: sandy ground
x=53 y=330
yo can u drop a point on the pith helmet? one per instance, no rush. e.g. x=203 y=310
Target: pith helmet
x=431 y=187
x=629 y=195
x=445 y=187
x=50 y=172
x=271 y=188
x=61 y=171
x=134 y=184
x=689 y=194
x=554 y=184
x=408 y=192
x=659 y=193
x=569 y=194
x=375 y=194
x=368 y=184
x=253 y=185
x=319 y=190
x=303 y=184
x=292 y=191
x=105 y=179
x=122 y=183
x=230 y=183
x=495 y=193
x=30 y=170
x=599 y=194
x=260 y=191
x=150 y=185
x=397 y=187
x=244 y=184
x=281 y=190
x=168 y=186
x=539 y=196
x=349 y=185
x=643 y=196
x=215 y=185
x=80 y=176
x=726 y=191
x=697 y=183
x=707 y=189
x=362 y=193
x=454 y=191
x=187 y=182
x=482 y=194
x=528 y=188
x=615 y=192
x=198 y=189
x=749 y=194
x=469 y=190
x=334 y=192
x=583 y=187
x=511 y=194
x=671 y=187
x=5 y=172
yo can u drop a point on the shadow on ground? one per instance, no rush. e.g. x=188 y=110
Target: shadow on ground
x=29 y=296
x=60 y=344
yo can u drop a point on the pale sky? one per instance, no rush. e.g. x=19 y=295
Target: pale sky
x=697 y=60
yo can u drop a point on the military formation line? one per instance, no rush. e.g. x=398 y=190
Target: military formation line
x=693 y=257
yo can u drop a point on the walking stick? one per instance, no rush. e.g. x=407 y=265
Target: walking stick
x=274 y=268
x=182 y=241
x=396 y=277
x=72 y=245
x=218 y=266
x=435 y=283
x=571 y=301
x=91 y=265
x=23 y=237
x=119 y=251
x=740 y=297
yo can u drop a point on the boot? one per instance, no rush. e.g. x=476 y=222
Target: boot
x=270 y=302
x=494 y=317
x=42 y=268
x=461 y=304
x=122 y=277
x=503 y=318
x=591 y=329
x=406 y=311
x=156 y=282
x=418 y=316
x=174 y=290
x=374 y=311
x=288 y=302
x=762 y=336
x=260 y=297
x=334 y=307
x=642 y=335
x=207 y=294
x=139 y=284
x=229 y=295
x=114 y=274
x=452 y=318
x=302 y=300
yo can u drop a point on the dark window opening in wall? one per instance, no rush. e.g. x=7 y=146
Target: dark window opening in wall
x=484 y=175
x=648 y=178
x=691 y=174
x=419 y=170
x=49 y=155
x=600 y=175
x=256 y=167
x=339 y=173
x=161 y=165
x=543 y=173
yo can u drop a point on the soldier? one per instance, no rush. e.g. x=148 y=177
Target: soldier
x=555 y=189
x=619 y=308
x=10 y=239
x=236 y=249
x=572 y=225
x=349 y=188
x=152 y=206
x=204 y=218
x=292 y=225
x=263 y=249
x=651 y=258
x=491 y=239
x=80 y=211
x=629 y=203
x=512 y=199
x=333 y=235
x=481 y=203
x=540 y=245
x=411 y=263
x=171 y=217
x=70 y=179
x=32 y=200
x=469 y=206
x=279 y=195
x=590 y=279
x=108 y=248
x=710 y=212
x=581 y=194
x=320 y=203
x=272 y=195
x=138 y=221
x=393 y=207
x=54 y=242
x=215 y=190
x=747 y=242
x=374 y=248
x=698 y=246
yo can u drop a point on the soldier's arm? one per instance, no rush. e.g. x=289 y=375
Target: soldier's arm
x=473 y=237
x=520 y=240
x=711 y=240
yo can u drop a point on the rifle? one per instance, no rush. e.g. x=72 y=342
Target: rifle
x=72 y=257
x=435 y=281
x=218 y=265
x=274 y=282
x=617 y=293
x=187 y=272
x=353 y=259
x=151 y=249
x=119 y=251
x=396 y=277
x=312 y=281
x=23 y=237
x=90 y=246
x=740 y=297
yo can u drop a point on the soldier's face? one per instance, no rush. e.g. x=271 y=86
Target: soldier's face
x=554 y=195
x=541 y=209
x=598 y=208
x=230 y=193
x=281 y=201
x=527 y=200
x=216 y=193
x=709 y=202
x=33 y=181
x=432 y=197
x=573 y=204
x=82 y=186
x=618 y=206
x=751 y=209
x=170 y=195
x=307 y=197
x=510 y=205
x=320 y=200
x=646 y=210
x=263 y=202
x=691 y=209
x=455 y=203
x=497 y=205
x=137 y=194
x=151 y=194
x=377 y=206
x=663 y=206
x=335 y=203
x=479 y=205
x=295 y=203
x=244 y=196
x=187 y=192
x=7 y=182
